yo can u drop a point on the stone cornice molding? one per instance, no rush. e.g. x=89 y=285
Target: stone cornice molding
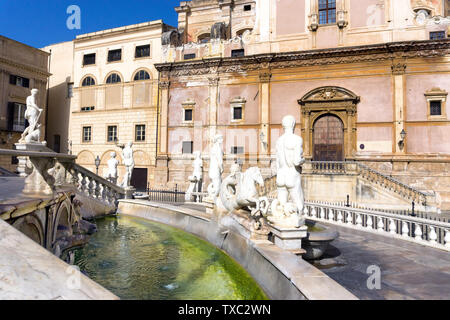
x=24 y=67
x=369 y=53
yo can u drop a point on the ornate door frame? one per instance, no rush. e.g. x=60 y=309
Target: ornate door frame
x=335 y=101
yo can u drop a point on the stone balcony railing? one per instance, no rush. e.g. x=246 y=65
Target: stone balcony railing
x=45 y=172
x=422 y=231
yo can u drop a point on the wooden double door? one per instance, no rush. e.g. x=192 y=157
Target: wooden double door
x=328 y=139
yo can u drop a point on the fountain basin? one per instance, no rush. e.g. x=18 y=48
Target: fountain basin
x=318 y=240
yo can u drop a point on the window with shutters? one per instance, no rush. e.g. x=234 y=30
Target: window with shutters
x=87 y=134
x=89 y=59
x=16 y=117
x=19 y=81
x=140 y=133
x=114 y=55
x=142 y=51
x=112 y=134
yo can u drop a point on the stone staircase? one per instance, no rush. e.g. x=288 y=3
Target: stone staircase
x=335 y=182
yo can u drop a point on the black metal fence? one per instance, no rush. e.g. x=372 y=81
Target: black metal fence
x=166 y=195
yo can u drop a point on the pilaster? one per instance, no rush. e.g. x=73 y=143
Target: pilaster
x=399 y=89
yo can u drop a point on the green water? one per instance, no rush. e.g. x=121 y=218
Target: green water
x=143 y=260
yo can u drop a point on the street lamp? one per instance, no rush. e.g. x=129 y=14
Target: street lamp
x=401 y=143
x=97 y=163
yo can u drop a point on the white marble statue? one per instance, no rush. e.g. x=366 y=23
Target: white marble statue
x=197 y=177
x=112 y=168
x=289 y=160
x=128 y=161
x=32 y=133
x=239 y=191
x=216 y=167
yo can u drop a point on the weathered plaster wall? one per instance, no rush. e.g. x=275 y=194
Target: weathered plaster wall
x=290 y=17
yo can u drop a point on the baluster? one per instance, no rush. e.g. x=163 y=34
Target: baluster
x=433 y=235
x=359 y=221
x=369 y=222
x=418 y=232
x=83 y=183
x=380 y=224
x=339 y=217
x=322 y=213
x=349 y=218
x=392 y=227
x=331 y=215
x=97 y=190
x=313 y=212
x=405 y=229
x=447 y=238
x=104 y=192
x=91 y=188
x=305 y=211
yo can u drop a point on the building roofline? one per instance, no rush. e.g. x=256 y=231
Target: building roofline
x=25 y=45
x=129 y=28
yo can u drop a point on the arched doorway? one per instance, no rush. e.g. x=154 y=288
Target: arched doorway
x=328 y=139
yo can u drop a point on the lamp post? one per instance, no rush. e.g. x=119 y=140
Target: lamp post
x=401 y=143
x=97 y=163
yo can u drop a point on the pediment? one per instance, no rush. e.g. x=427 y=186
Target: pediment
x=329 y=94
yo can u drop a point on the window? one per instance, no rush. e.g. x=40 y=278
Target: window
x=437 y=35
x=70 y=90
x=189 y=56
x=88 y=81
x=188 y=115
x=188 y=147
x=112 y=133
x=19 y=81
x=16 y=117
x=87 y=134
x=238 y=53
x=237 y=113
x=237 y=150
x=87 y=109
x=204 y=38
x=142 y=75
x=89 y=59
x=113 y=78
x=327 y=11
x=248 y=7
x=114 y=55
x=142 y=51
x=435 y=108
x=140 y=132
x=436 y=104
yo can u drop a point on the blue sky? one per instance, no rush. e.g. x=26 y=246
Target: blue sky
x=42 y=22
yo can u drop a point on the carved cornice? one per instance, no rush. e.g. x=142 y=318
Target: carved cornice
x=369 y=53
x=21 y=66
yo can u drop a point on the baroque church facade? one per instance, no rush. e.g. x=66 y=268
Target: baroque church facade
x=366 y=80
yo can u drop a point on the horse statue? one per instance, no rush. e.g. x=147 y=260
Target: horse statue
x=239 y=191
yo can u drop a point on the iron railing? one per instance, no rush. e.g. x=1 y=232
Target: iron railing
x=166 y=195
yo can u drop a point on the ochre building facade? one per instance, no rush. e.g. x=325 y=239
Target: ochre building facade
x=366 y=80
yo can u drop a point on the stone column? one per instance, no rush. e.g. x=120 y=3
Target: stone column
x=213 y=105
x=264 y=89
x=399 y=89
x=162 y=170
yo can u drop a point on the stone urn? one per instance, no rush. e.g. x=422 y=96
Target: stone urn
x=318 y=239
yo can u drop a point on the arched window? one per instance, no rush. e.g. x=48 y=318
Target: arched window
x=88 y=81
x=141 y=75
x=113 y=78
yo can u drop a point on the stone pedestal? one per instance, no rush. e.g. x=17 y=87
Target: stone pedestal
x=39 y=181
x=129 y=192
x=289 y=238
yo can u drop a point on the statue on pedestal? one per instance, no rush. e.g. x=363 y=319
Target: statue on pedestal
x=197 y=177
x=32 y=133
x=289 y=160
x=216 y=167
x=112 y=169
x=128 y=161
